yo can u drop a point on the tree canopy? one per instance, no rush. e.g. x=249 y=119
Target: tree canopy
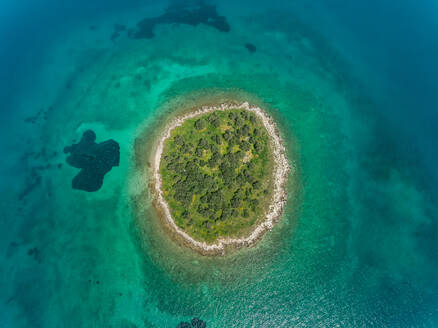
x=215 y=171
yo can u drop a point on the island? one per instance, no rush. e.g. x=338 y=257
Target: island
x=220 y=176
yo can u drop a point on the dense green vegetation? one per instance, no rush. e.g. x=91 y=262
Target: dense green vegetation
x=216 y=172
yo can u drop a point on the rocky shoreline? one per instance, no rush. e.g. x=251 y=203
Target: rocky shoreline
x=280 y=175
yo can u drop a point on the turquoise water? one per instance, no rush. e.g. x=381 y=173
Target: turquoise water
x=352 y=88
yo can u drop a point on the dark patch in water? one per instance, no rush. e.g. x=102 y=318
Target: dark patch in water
x=182 y=12
x=195 y=323
x=42 y=114
x=33 y=180
x=95 y=160
x=198 y=323
x=34 y=118
x=251 y=48
x=35 y=254
x=184 y=324
x=118 y=29
x=36 y=163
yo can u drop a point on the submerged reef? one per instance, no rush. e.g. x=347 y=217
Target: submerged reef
x=184 y=324
x=198 y=323
x=251 y=48
x=195 y=323
x=94 y=160
x=182 y=12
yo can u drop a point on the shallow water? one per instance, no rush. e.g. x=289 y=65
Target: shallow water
x=352 y=87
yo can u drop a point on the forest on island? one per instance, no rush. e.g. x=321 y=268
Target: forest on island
x=216 y=171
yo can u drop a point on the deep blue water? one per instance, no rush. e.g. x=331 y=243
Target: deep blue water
x=361 y=250
x=398 y=39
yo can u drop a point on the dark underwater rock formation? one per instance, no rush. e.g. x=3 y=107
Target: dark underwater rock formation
x=195 y=323
x=118 y=29
x=35 y=254
x=198 y=323
x=182 y=12
x=251 y=48
x=184 y=325
x=94 y=160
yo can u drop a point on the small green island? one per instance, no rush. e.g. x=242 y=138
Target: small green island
x=217 y=174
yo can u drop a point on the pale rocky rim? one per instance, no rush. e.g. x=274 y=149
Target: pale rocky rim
x=280 y=175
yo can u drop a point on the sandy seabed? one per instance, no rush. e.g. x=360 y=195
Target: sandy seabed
x=280 y=174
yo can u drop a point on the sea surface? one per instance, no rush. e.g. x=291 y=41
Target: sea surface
x=353 y=86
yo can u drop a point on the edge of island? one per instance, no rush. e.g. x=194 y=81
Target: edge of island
x=280 y=175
